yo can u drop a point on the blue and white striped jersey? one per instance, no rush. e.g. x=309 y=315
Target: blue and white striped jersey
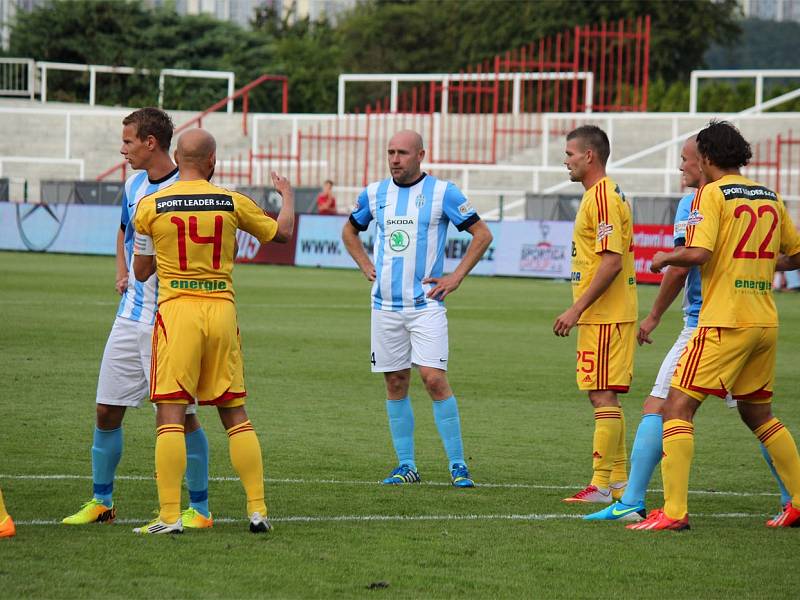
x=692 y=291
x=140 y=301
x=410 y=236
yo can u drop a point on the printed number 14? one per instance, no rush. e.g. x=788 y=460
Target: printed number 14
x=215 y=240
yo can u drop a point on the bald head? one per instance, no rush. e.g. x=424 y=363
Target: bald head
x=691 y=173
x=407 y=138
x=196 y=154
x=405 y=154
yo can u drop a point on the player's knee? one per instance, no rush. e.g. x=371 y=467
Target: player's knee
x=679 y=405
x=109 y=417
x=603 y=398
x=231 y=416
x=435 y=382
x=397 y=382
x=754 y=415
x=191 y=424
x=653 y=405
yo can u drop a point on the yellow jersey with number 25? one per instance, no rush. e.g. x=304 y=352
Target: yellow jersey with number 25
x=604 y=223
x=193 y=226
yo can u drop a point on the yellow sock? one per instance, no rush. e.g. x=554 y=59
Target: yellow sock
x=607 y=423
x=170 y=467
x=678 y=443
x=246 y=460
x=783 y=451
x=619 y=471
x=3 y=512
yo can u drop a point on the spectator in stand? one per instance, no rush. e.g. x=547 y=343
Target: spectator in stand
x=326 y=202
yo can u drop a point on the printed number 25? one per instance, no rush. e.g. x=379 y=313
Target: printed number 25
x=215 y=239
x=743 y=209
x=586 y=358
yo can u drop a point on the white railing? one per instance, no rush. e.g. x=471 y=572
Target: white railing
x=758 y=74
x=754 y=111
x=93 y=70
x=446 y=78
x=17 y=77
x=39 y=160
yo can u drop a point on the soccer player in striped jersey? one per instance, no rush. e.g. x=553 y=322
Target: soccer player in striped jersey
x=735 y=231
x=187 y=233
x=604 y=307
x=412 y=211
x=646 y=453
x=125 y=370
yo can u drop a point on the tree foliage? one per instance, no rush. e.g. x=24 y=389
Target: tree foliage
x=436 y=35
x=375 y=36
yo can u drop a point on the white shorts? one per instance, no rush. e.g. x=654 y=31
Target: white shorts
x=670 y=363
x=402 y=339
x=125 y=371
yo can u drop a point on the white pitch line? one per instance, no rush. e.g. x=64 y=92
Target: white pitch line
x=525 y=486
x=406 y=518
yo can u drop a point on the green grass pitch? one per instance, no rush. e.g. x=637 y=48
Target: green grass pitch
x=320 y=416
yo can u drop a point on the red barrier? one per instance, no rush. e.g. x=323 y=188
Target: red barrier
x=647 y=240
x=272 y=253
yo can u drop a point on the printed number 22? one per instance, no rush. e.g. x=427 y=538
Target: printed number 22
x=215 y=239
x=740 y=252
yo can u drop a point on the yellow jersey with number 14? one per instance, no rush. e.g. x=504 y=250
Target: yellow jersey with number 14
x=193 y=227
x=745 y=225
x=604 y=223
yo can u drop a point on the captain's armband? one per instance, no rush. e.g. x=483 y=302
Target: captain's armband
x=143 y=245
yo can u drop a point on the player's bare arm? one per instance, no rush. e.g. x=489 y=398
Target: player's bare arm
x=285 y=218
x=671 y=285
x=684 y=256
x=788 y=263
x=445 y=285
x=143 y=267
x=356 y=249
x=610 y=267
x=121 y=283
x=144 y=257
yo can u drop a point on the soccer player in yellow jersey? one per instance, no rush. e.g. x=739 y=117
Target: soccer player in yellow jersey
x=7 y=528
x=604 y=307
x=735 y=231
x=187 y=234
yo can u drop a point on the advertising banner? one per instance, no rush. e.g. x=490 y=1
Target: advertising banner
x=73 y=228
x=319 y=244
x=647 y=240
x=271 y=253
x=456 y=246
x=535 y=249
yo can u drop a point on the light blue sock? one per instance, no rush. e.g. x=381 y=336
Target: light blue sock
x=197 y=470
x=785 y=495
x=106 y=452
x=401 y=424
x=646 y=454
x=445 y=415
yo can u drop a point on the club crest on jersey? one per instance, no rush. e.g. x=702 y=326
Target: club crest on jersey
x=420 y=200
x=694 y=218
x=604 y=230
x=399 y=240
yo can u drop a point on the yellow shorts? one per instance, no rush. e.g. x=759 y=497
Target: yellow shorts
x=719 y=360
x=605 y=356
x=197 y=354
